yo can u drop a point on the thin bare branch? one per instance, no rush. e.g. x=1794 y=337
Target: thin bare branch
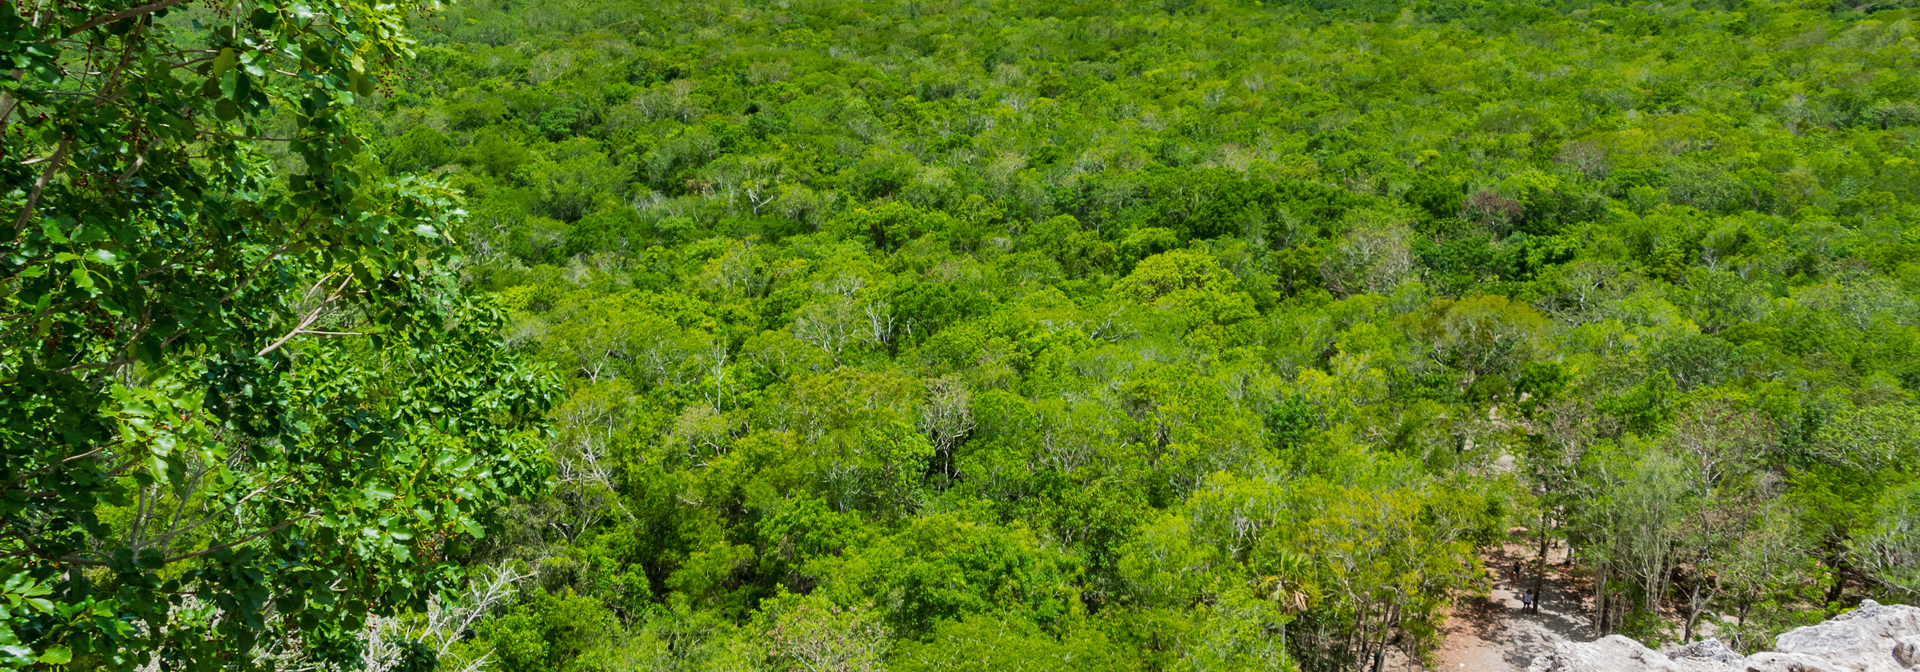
x=242 y=541
x=142 y=10
x=174 y=533
x=310 y=317
x=40 y=185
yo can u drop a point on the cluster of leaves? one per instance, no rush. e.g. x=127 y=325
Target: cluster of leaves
x=243 y=403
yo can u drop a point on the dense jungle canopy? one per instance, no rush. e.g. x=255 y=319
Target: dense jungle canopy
x=571 y=335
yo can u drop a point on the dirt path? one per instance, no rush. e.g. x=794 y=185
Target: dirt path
x=1493 y=634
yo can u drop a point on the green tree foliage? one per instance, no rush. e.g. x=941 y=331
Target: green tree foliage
x=1093 y=276
x=245 y=405
x=952 y=335
x=955 y=335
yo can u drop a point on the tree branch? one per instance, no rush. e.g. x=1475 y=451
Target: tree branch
x=96 y=365
x=167 y=539
x=50 y=467
x=40 y=185
x=123 y=14
x=310 y=317
x=241 y=541
x=138 y=161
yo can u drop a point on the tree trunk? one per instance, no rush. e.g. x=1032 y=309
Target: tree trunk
x=1839 y=564
x=1693 y=612
x=1600 y=602
x=1599 y=607
x=1655 y=585
x=1540 y=567
x=1617 y=606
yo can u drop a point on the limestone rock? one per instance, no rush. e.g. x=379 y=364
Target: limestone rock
x=1708 y=649
x=1872 y=638
x=1861 y=640
x=1907 y=651
x=1787 y=662
x=1837 y=641
x=1614 y=653
x=1709 y=655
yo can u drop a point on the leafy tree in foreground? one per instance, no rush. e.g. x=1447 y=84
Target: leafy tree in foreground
x=242 y=403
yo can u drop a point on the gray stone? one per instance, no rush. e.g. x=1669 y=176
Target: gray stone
x=1884 y=620
x=1707 y=649
x=1788 y=662
x=1707 y=665
x=1862 y=640
x=1871 y=638
x=1843 y=642
x=1906 y=651
x=1614 y=653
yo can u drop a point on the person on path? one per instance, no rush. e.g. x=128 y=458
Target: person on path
x=1526 y=602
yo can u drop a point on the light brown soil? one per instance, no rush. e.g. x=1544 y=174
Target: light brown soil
x=1493 y=634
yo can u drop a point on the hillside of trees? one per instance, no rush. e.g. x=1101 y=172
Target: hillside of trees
x=956 y=334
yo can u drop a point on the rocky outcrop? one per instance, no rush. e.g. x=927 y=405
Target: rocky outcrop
x=1872 y=638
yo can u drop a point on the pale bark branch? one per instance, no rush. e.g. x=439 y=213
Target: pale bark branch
x=142 y=10
x=241 y=541
x=310 y=318
x=40 y=185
